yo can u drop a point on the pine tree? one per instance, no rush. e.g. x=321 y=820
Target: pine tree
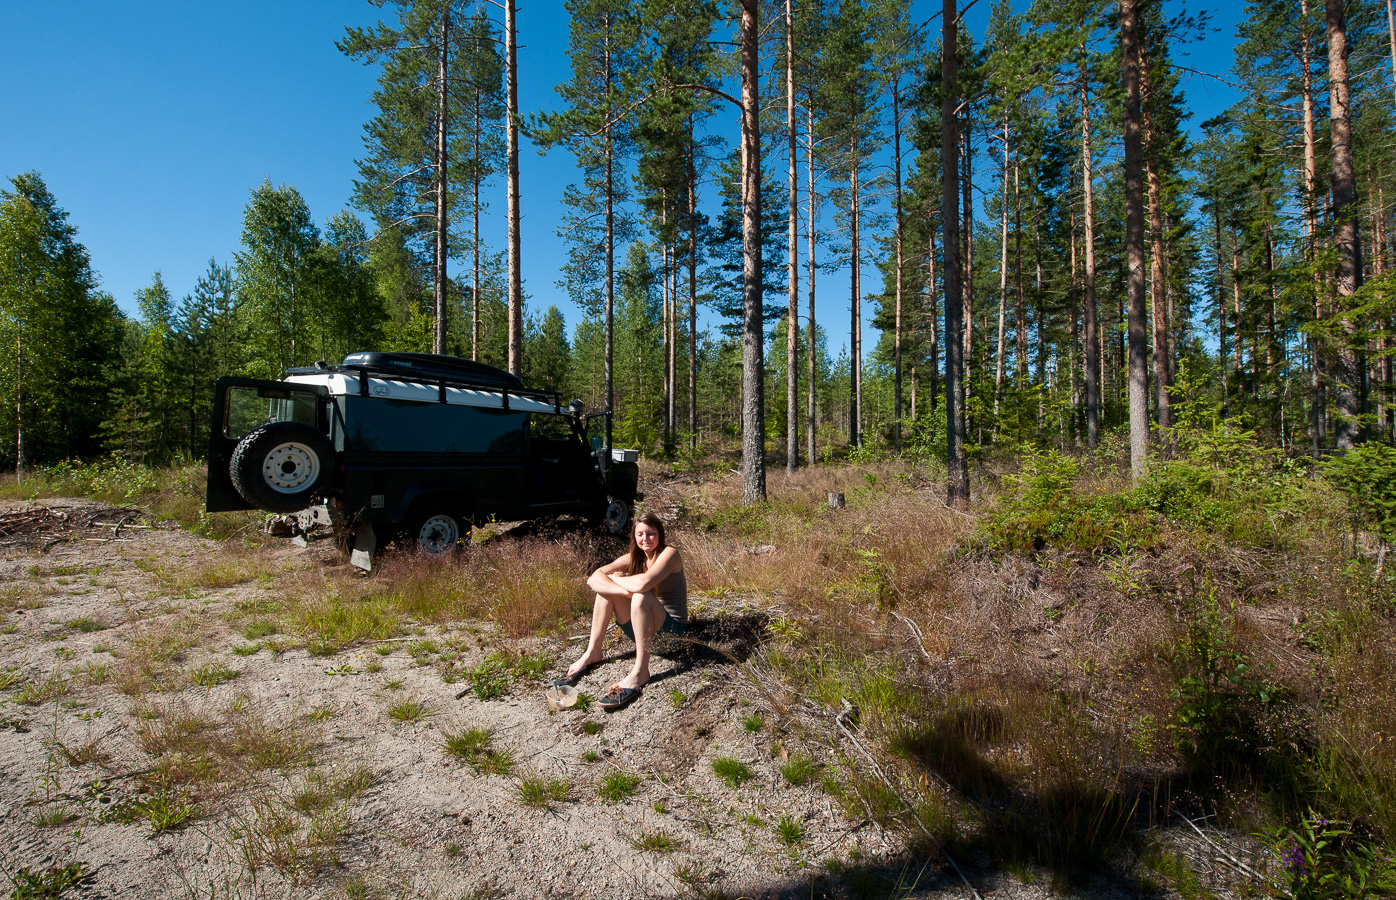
x=61 y=334
x=437 y=100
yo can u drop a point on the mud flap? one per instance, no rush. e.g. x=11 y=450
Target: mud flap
x=365 y=542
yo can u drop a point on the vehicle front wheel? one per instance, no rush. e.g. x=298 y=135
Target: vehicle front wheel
x=436 y=532
x=282 y=466
x=617 y=517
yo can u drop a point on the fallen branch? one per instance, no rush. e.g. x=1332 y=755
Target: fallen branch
x=1233 y=860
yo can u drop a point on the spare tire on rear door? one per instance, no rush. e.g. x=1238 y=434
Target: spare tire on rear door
x=282 y=466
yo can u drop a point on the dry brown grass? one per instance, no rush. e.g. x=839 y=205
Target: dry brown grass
x=150 y=660
x=525 y=585
x=211 y=748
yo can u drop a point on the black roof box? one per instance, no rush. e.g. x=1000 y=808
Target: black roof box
x=435 y=366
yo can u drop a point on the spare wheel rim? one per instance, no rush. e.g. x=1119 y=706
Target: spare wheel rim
x=288 y=468
x=438 y=534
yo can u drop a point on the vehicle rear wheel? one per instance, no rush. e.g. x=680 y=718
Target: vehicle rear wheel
x=437 y=531
x=617 y=517
x=282 y=466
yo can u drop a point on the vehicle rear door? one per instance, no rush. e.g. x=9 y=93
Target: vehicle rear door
x=242 y=405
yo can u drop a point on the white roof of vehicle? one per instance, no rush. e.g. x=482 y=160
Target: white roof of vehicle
x=340 y=384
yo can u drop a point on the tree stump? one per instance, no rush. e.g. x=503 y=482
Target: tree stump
x=836 y=500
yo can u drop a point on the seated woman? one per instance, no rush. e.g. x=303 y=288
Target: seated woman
x=647 y=592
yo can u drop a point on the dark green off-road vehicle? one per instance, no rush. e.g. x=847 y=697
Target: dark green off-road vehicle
x=411 y=446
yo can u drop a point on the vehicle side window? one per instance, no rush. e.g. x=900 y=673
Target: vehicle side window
x=544 y=427
x=407 y=426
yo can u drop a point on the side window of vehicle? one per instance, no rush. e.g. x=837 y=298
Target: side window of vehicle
x=409 y=426
x=542 y=426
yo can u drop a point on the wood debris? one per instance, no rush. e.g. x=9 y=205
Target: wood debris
x=42 y=526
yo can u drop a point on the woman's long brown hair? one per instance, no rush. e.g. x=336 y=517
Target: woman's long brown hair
x=638 y=561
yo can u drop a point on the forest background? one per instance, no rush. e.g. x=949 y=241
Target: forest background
x=1238 y=253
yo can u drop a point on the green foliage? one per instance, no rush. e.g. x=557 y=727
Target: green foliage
x=1221 y=484
x=1220 y=699
x=799 y=770
x=1367 y=477
x=1326 y=859
x=541 y=793
x=733 y=771
x=45 y=884
x=618 y=786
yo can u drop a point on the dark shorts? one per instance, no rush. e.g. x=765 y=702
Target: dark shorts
x=671 y=625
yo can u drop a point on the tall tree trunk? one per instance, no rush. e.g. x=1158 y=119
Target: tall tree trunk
x=1158 y=277
x=1092 y=338
x=855 y=367
x=811 y=362
x=1134 y=239
x=957 y=467
x=1391 y=36
x=1221 y=308
x=897 y=323
x=1347 y=242
x=792 y=313
x=1003 y=282
x=511 y=78
x=475 y=230
x=967 y=266
x=692 y=295
x=1074 y=299
x=1316 y=351
x=753 y=366
x=1020 y=335
x=438 y=340
x=933 y=313
x=608 y=143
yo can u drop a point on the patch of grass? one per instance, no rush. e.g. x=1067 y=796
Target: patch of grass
x=676 y=698
x=258 y=629
x=753 y=723
x=618 y=786
x=211 y=675
x=476 y=747
x=392 y=684
x=541 y=793
x=591 y=728
x=590 y=756
x=86 y=625
x=321 y=713
x=799 y=769
x=790 y=830
x=410 y=709
x=655 y=842
x=34 y=693
x=45 y=884
x=9 y=678
x=733 y=771
x=162 y=811
x=321 y=790
x=246 y=649
x=584 y=702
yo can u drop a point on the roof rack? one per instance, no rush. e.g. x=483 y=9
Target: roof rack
x=432 y=369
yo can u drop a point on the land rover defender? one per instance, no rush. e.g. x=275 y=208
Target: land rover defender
x=411 y=446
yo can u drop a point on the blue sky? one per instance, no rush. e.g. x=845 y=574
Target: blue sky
x=152 y=121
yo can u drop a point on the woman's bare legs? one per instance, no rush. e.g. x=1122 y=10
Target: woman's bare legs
x=646 y=617
x=611 y=600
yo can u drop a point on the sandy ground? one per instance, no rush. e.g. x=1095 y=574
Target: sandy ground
x=426 y=825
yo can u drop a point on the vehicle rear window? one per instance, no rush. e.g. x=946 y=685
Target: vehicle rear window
x=249 y=408
x=408 y=426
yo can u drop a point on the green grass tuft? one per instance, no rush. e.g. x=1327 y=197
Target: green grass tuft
x=733 y=771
